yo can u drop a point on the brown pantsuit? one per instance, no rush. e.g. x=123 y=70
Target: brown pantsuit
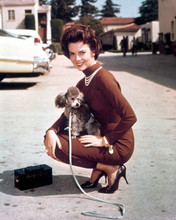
x=116 y=116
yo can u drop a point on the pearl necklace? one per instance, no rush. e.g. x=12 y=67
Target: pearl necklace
x=88 y=79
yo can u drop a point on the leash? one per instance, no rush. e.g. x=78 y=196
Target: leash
x=89 y=213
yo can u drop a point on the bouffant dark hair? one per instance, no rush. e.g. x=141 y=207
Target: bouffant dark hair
x=80 y=32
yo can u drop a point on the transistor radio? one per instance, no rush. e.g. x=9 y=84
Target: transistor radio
x=33 y=176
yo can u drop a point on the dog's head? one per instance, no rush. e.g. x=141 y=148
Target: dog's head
x=73 y=98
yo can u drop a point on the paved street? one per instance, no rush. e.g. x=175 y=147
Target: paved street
x=27 y=110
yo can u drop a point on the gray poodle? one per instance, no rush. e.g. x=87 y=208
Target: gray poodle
x=83 y=122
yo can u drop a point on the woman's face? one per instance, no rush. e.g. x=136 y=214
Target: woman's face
x=81 y=55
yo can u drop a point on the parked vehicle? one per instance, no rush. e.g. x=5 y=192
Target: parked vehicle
x=27 y=34
x=50 y=50
x=21 y=57
x=33 y=36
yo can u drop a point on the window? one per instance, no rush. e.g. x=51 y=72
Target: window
x=11 y=15
x=28 y=11
x=161 y=37
x=172 y=30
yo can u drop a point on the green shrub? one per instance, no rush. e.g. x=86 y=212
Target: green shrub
x=30 y=22
x=144 y=47
x=57 y=27
x=58 y=48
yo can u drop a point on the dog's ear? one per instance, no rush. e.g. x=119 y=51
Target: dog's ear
x=81 y=95
x=60 y=101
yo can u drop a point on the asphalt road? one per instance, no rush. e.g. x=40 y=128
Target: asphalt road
x=27 y=110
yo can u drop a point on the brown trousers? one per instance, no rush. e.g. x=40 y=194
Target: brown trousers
x=88 y=157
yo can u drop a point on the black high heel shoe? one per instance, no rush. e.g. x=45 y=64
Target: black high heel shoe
x=88 y=184
x=111 y=189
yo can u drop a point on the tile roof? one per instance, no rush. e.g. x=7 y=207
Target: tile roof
x=116 y=20
x=128 y=24
x=127 y=28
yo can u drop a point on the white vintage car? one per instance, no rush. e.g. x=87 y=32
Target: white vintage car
x=30 y=35
x=21 y=57
x=34 y=37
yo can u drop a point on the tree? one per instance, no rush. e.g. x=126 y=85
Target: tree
x=94 y=23
x=87 y=9
x=64 y=9
x=148 y=11
x=110 y=9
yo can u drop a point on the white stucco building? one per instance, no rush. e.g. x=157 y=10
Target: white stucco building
x=167 y=25
x=114 y=30
x=13 y=12
x=150 y=32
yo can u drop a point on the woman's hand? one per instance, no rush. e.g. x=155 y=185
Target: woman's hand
x=50 y=142
x=91 y=140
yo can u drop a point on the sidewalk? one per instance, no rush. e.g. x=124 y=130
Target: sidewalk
x=149 y=83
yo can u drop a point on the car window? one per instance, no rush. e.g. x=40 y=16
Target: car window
x=25 y=36
x=7 y=34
